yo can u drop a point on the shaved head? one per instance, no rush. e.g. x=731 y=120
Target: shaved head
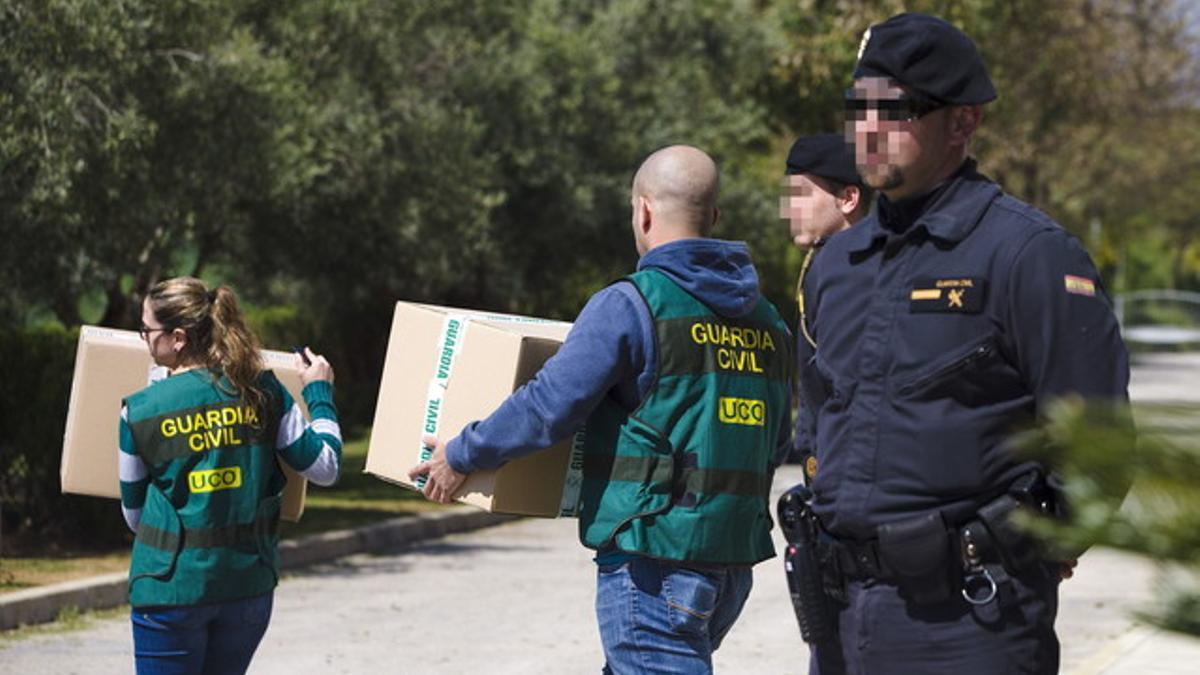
x=681 y=183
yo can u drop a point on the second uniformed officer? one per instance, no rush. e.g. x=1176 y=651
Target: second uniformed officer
x=945 y=321
x=823 y=195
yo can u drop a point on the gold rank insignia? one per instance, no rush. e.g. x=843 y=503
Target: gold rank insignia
x=950 y=294
x=810 y=466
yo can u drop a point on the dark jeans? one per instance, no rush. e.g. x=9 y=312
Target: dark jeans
x=218 y=638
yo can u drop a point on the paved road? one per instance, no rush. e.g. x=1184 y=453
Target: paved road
x=517 y=599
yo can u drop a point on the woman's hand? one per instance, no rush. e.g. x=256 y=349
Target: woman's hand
x=317 y=368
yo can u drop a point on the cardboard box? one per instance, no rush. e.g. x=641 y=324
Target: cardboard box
x=447 y=367
x=110 y=364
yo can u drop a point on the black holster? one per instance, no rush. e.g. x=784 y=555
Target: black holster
x=814 y=610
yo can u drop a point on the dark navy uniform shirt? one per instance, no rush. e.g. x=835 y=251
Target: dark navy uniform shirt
x=940 y=332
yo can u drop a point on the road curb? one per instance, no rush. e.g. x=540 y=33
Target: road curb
x=45 y=603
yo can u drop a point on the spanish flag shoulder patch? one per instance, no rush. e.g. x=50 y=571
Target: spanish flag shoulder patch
x=1079 y=285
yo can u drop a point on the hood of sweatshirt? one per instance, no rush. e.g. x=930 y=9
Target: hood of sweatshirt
x=718 y=273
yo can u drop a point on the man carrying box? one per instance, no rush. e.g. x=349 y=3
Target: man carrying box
x=680 y=374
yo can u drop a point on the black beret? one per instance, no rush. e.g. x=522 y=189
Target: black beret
x=824 y=155
x=928 y=55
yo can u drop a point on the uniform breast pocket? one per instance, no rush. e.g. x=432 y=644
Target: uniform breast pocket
x=976 y=374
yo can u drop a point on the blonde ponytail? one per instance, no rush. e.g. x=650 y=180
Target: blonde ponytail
x=218 y=337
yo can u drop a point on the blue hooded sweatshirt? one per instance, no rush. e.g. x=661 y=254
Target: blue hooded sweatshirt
x=609 y=351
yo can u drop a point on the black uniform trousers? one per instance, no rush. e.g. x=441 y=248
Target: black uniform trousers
x=880 y=633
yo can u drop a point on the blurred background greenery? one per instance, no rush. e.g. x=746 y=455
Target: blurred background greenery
x=1159 y=516
x=329 y=157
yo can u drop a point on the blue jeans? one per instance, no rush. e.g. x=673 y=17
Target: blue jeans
x=659 y=617
x=217 y=638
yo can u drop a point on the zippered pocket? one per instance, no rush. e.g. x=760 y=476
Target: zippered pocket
x=962 y=362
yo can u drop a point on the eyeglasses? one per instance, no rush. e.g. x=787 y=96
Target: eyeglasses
x=145 y=331
x=901 y=109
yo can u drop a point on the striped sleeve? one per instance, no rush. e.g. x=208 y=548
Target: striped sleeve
x=132 y=472
x=313 y=449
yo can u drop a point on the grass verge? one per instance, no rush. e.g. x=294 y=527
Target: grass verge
x=69 y=619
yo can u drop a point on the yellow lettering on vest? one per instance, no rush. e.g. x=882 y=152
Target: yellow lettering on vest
x=730 y=340
x=739 y=360
x=747 y=411
x=212 y=480
x=168 y=428
x=214 y=438
x=229 y=416
x=724 y=359
x=213 y=418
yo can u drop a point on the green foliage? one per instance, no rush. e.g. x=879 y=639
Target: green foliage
x=1160 y=517
x=33 y=388
x=138 y=137
x=35 y=385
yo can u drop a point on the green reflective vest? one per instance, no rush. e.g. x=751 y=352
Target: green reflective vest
x=687 y=475
x=209 y=526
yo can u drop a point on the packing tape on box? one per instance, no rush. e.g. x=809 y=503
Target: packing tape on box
x=450 y=342
x=512 y=318
x=573 y=481
x=454 y=333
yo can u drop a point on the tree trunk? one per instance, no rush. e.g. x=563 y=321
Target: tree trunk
x=118 y=310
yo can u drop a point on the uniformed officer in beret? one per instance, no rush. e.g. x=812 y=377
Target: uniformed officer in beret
x=823 y=192
x=822 y=195
x=948 y=319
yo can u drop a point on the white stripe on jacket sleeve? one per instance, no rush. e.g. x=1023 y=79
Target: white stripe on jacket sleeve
x=291 y=428
x=328 y=427
x=324 y=469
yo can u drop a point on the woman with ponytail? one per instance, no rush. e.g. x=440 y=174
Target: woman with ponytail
x=201 y=482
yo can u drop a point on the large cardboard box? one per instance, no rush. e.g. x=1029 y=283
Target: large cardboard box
x=446 y=367
x=110 y=364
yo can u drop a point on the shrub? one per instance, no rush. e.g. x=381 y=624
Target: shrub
x=35 y=387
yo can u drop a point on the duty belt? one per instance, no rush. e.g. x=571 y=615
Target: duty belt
x=928 y=555
x=854 y=560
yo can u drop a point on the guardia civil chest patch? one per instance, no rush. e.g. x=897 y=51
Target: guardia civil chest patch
x=948 y=294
